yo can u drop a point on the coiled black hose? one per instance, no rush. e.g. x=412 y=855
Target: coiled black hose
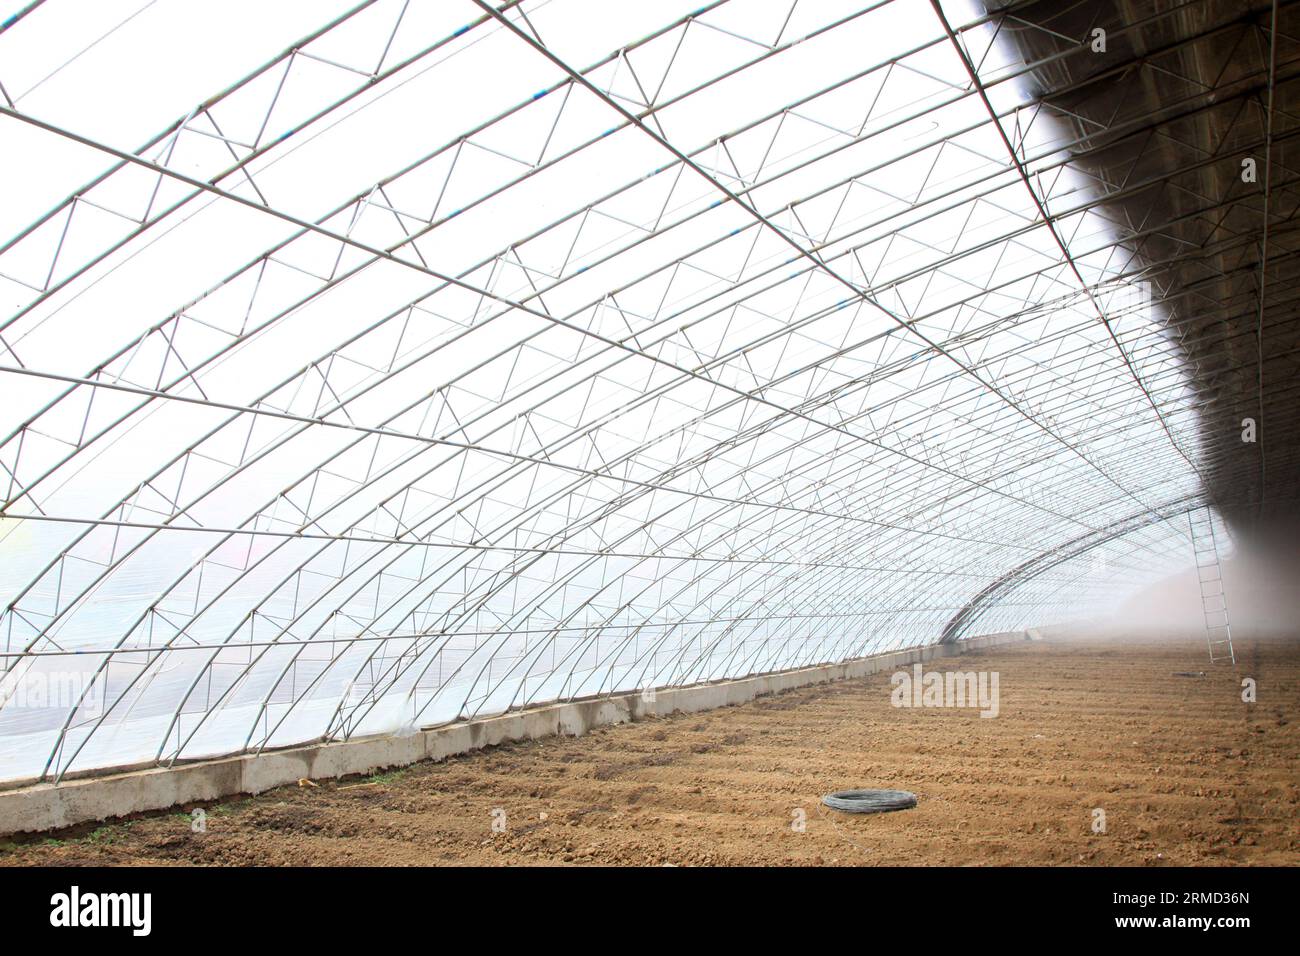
x=869 y=801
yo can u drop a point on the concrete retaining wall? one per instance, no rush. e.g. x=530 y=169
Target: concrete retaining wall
x=47 y=807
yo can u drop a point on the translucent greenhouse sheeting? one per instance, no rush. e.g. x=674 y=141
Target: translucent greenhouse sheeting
x=369 y=367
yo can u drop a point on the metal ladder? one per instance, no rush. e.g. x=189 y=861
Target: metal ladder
x=1209 y=574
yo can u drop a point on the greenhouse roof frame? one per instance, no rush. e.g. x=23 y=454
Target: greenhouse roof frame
x=722 y=354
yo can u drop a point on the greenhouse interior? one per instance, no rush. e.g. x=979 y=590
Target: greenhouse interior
x=455 y=432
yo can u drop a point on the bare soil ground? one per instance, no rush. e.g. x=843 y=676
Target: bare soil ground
x=1185 y=772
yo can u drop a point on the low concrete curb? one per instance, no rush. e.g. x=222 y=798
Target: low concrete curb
x=46 y=806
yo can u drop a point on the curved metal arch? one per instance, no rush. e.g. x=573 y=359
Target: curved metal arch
x=960 y=624
x=1008 y=615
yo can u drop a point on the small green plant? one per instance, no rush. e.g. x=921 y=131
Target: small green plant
x=387 y=776
x=106 y=834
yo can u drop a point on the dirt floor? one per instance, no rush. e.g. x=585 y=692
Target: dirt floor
x=1185 y=772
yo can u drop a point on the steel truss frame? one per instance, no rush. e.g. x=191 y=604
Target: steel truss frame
x=872 y=364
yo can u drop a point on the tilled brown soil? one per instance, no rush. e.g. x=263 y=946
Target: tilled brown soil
x=1185 y=772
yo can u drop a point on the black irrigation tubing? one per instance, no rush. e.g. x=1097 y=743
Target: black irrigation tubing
x=870 y=801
